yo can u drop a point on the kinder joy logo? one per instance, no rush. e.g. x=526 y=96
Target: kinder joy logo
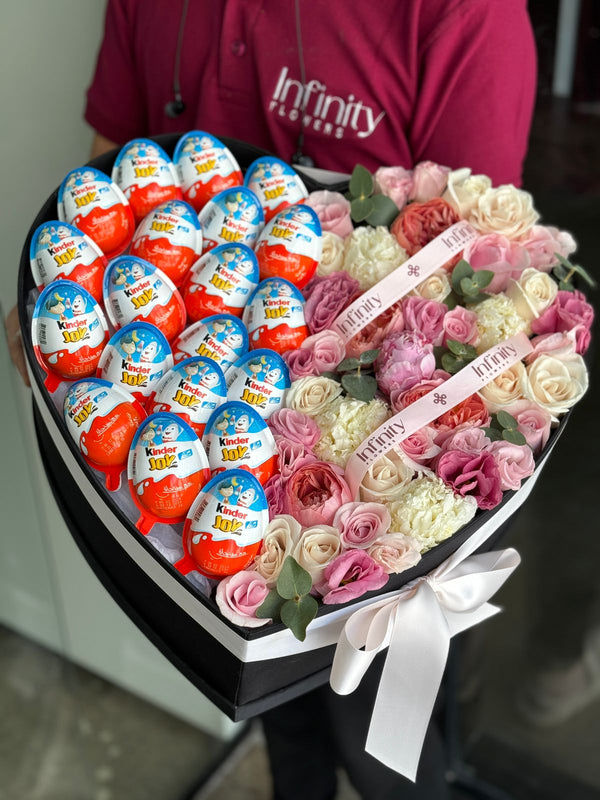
x=328 y=113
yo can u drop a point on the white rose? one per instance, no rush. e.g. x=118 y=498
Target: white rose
x=395 y=552
x=281 y=536
x=532 y=293
x=312 y=395
x=371 y=254
x=332 y=256
x=464 y=190
x=435 y=287
x=505 y=210
x=316 y=548
x=556 y=384
x=386 y=478
x=506 y=388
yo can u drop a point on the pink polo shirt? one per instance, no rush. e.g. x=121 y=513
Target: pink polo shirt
x=387 y=83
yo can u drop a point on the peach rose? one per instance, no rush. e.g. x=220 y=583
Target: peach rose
x=419 y=223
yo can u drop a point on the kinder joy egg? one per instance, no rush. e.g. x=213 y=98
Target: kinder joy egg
x=88 y=199
x=221 y=337
x=169 y=237
x=193 y=389
x=102 y=419
x=167 y=466
x=136 y=358
x=206 y=167
x=275 y=184
x=135 y=290
x=69 y=332
x=261 y=379
x=59 y=251
x=225 y=526
x=237 y=437
x=234 y=216
x=221 y=282
x=146 y=176
x=290 y=245
x=274 y=316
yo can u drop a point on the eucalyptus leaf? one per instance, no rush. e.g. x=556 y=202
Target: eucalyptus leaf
x=293 y=579
x=585 y=275
x=368 y=357
x=361 y=182
x=297 y=615
x=348 y=364
x=468 y=287
x=271 y=606
x=566 y=286
x=462 y=270
x=493 y=434
x=384 y=211
x=483 y=277
x=361 y=387
x=560 y=272
x=333 y=376
x=452 y=363
x=451 y=301
x=506 y=420
x=458 y=348
x=514 y=437
x=360 y=208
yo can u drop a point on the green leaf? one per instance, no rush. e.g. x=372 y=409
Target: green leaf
x=479 y=298
x=361 y=182
x=297 y=615
x=469 y=288
x=361 y=387
x=462 y=270
x=348 y=364
x=458 y=348
x=565 y=286
x=560 y=272
x=331 y=375
x=452 y=363
x=492 y=433
x=384 y=211
x=271 y=606
x=368 y=357
x=514 y=437
x=575 y=268
x=360 y=208
x=293 y=579
x=505 y=420
x=483 y=277
x=451 y=301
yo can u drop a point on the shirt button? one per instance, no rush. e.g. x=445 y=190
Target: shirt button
x=238 y=48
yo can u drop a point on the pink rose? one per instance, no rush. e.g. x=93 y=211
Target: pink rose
x=371 y=336
x=474 y=475
x=424 y=316
x=533 y=421
x=405 y=358
x=315 y=492
x=291 y=456
x=403 y=398
x=360 y=524
x=327 y=297
x=429 y=181
x=238 y=596
x=420 y=445
x=503 y=257
x=467 y=439
x=559 y=345
x=349 y=576
x=472 y=411
x=333 y=211
x=296 y=426
x=460 y=324
x=300 y=363
x=395 y=552
x=328 y=349
x=542 y=242
x=514 y=461
x=569 y=310
x=396 y=183
x=275 y=494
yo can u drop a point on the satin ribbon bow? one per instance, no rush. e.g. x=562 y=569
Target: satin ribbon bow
x=416 y=624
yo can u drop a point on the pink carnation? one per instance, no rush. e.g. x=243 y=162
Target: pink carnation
x=460 y=324
x=425 y=317
x=315 y=492
x=405 y=358
x=360 y=524
x=296 y=426
x=327 y=297
x=396 y=183
x=506 y=259
x=515 y=462
x=568 y=311
x=349 y=576
x=429 y=181
x=533 y=422
x=543 y=242
x=333 y=211
x=238 y=596
x=474 y=475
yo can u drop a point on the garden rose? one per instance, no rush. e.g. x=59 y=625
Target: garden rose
x=326 y=298
x=317 y=546
x=556 y=384
x=543 y=242
x=474 y=475
x=394 y=552
x=315 y=492
x=424 y=316
x=349 y=576
x=371 y=254
x=332 y=254
x=569 y=310
x=506 y=388
x=310 y=396
x=360 y=524
x=429 y=181
x=295 y=426
x=533 y=422
x=460 y=325
x=505 y=210
x=495 y=252
x=515 y=463
x=396 y=183
x=463 y=190
x=238 y=596
x=419 y=223
x=405 y=358
x=281 y=536
x=333 y=211
x=371 y=336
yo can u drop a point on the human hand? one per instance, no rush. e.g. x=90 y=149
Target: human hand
x=15 y=343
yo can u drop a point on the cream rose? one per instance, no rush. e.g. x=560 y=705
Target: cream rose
x=395 y=552
x=532 y=293
x=506 y=388
x=435 y=287
x=463 y=190
x=312 y=395
x=556 y=384
x=386 y=478
x=281 y=536
x=316 y=548
x=505 y=210
x=371 y=254
x=332 y=256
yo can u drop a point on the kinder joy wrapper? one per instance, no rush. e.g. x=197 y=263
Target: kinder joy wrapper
x=60 y=251
x=102 y=418
x=88 y=199
x=290 y=245
x=167 y=466
x=135 y=290
x=225 y=526
x=69 y=332
x=221 y=282
x=136 y=358
x=193 y=389
x=275 y=184
x=221 y=337
x=261 y=379
x=274 y=316
x=146 y=176
x=234 y=216
x=237 y=437
x=169 y=237
x=206 y=167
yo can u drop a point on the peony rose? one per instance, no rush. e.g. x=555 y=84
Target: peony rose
x=556 y=384
x=345 y=424
x=504 y=258
x=360 y=524
x=312 y=395
x=514 y=461
x=505 y=210
x=569 y=310
x=275 y=494
x=385 y=478
x=429 y=181
x=464 y=190
x=424 y=316
x=238 y=596
x=533 y=422
x=420 y=446
x=300 y=363
x=349 y=576
x=332 y=254
x=473 y=475
x=315 y=492
x=371 y=336
x=281 y=536
x=419 y=223
x=316 y=547
x=532 y=293
x=396 y=183
x=404 y=359
x=333 y=211
x=435 y=287
x=543 y=242
x=326 y=298
x=371 y=254
x=497 y=320
x=394 y=552
x=460 y=325
x=291 y=456
x=505 y=389
x=472 y=411
x=295 y=426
